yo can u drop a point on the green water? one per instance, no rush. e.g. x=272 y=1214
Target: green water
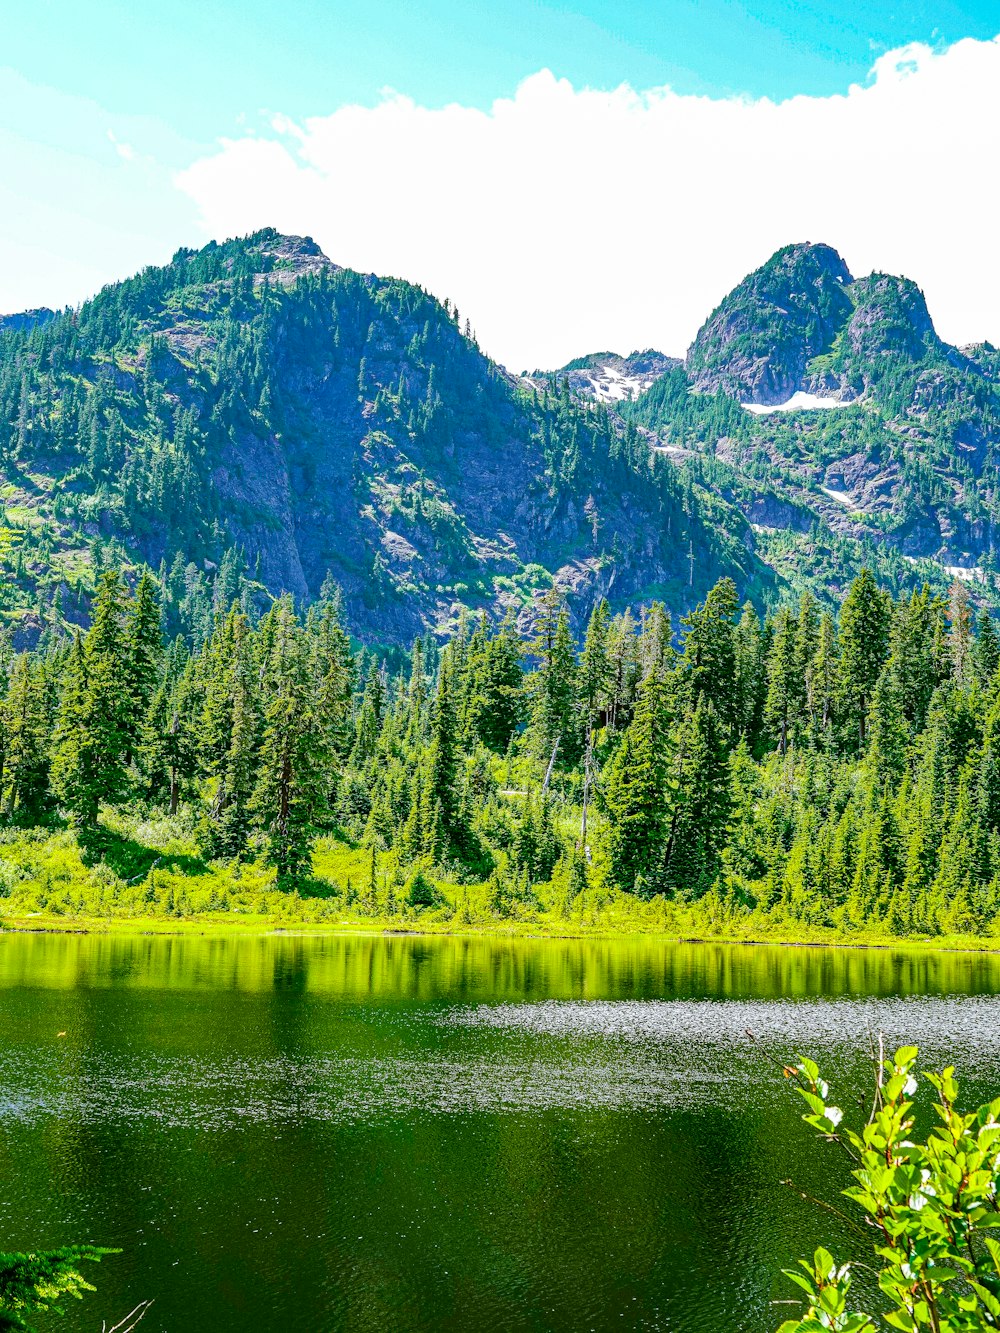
x=379 y=1134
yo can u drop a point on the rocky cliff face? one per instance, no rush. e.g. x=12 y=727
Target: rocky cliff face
x=25 y=320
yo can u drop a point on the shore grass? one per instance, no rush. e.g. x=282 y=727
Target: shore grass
x=219 y=924
x=150 y=878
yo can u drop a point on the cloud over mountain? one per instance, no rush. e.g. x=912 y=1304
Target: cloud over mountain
x=564 y=218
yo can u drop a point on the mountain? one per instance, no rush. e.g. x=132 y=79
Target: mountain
x=253 y=415
x=606 y=377
x=841 y=396
x=758 y=344
x=252 y=418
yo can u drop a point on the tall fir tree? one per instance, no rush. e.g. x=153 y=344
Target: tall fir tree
x=864 y=647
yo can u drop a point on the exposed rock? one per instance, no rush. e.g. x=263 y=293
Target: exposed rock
x=607 y=377
x=26 y=320
x=756 y=346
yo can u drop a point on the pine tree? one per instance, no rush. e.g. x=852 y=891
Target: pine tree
x=700 y=822
x=290 y=797
x=751 y=677
x=142 y=657
x=75 y=766
x=638 y=793
x=656 y=650
x=822 y=679
x=496 y=704
x=625 y=670
x=784 y=678
x=864 y=646
x=709 y=658
x=168 y=750
x=915 y=645
x=888 y=742
x=555 y=723
x=26 y=725
x=596 y=676
x=985 y=650
x=960 y=632
x=447 y=837
x=231 y=815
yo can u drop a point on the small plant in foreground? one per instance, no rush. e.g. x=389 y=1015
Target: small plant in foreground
x=933 y=1207
x=36 y=1283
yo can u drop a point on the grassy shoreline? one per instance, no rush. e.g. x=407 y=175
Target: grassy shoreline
x=152 y=881
x=222 y=925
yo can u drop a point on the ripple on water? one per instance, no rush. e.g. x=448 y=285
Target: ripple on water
x=586 y=1055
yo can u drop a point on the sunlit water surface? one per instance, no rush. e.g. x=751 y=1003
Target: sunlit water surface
x=357 y=1133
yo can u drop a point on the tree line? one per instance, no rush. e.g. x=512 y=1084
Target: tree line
x=833 y=769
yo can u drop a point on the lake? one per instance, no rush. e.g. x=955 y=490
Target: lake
x=403 y=1133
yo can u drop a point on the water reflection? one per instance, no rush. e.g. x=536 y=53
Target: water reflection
x=400 y=1133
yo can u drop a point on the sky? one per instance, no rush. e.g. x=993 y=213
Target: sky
x=575 y=177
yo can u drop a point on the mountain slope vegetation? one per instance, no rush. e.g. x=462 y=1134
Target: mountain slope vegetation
x=839 y=396
x=253 y=408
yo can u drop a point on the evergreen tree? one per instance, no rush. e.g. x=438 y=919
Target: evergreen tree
x=446 y=835
x=864 y=645
x=752 y=651
x=555 y=723
x=75 y=775
x=985 y=650
x=142 y=657
x=784 y=678
x=915 y=644
x=960 y=632
x=703 y=806
x=596 y=676
x=290 y=797
x=26 y=727
x=638 y=794
x=888 y=731
x=709 y=658
x=822 y=677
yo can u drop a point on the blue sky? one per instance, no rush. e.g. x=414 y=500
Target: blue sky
x=114 y=115
x=201 y=65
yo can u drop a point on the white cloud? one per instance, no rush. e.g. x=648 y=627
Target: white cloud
x=564 y=221
x=124 y=150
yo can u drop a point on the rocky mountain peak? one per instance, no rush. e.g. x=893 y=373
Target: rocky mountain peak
x=608 y=377
x=757 y=344
x=295 y=255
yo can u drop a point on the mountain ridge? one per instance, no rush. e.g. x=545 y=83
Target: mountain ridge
x=252 y=406
x=254 y=397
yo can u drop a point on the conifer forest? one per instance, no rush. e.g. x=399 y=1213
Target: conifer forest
x=818 y=769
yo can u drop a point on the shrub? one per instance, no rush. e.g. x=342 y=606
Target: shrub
x=934 y=1207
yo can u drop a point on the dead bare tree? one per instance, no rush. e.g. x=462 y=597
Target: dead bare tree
x=130 y=1321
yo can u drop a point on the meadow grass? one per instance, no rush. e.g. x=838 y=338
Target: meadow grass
x=151 y=877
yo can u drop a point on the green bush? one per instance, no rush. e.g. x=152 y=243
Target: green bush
x=934 y=1207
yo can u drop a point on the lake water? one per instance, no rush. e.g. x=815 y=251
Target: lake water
x=354 y=1133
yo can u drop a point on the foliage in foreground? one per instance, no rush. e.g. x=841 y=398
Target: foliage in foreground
x=37 y=1283
x=933 y=1206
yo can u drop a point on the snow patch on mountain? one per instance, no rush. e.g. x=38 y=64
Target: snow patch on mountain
x=800 y=401
x=605 y=377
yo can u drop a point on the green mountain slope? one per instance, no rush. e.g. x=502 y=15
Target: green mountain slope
x=252 y=418
x=865 y=425
x=252 y=407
